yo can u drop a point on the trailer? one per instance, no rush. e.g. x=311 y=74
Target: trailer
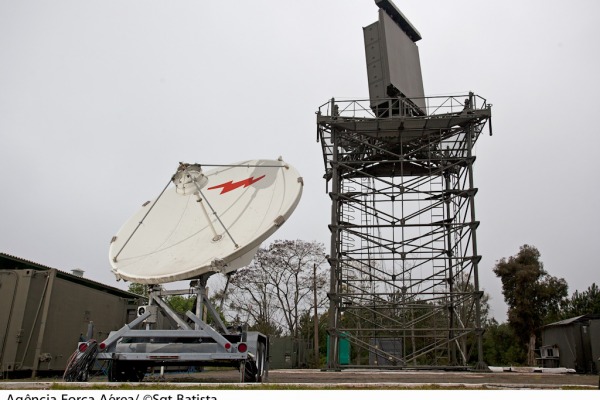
x=130 y=352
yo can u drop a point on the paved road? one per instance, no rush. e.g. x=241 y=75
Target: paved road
x=360 y=378
x=403 y=378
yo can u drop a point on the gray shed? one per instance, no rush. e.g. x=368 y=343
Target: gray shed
x=572 y=343
x=44 y=312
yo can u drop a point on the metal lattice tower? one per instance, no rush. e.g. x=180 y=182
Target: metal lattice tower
x=404 y=262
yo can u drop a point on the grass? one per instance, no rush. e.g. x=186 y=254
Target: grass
x=264 y=386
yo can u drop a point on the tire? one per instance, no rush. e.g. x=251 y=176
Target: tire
x=113 y=374
x=123 y=371
x=262 y=364
x=248 y=371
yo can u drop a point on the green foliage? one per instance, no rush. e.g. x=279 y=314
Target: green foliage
x=307 y=331
x=266 y=327
x=138 y=288
x=532 y=295
x=587 y=302
x=181 y=304
x=501 y=347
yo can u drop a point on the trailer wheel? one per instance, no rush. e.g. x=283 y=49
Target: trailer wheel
x=113 y=374
x=248 y=371
x=121 y=371
x=242 y=371
x=262 y=364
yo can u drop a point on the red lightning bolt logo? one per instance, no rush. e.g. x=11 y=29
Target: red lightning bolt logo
x=231 y=185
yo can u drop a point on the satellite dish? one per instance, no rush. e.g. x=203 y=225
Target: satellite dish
x=206 y=222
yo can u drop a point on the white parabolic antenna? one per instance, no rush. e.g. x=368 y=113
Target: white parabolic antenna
x=206 y=222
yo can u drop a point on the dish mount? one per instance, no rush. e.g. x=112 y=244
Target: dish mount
x=202 y=224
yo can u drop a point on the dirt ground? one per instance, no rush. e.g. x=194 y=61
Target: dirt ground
x=358 y=378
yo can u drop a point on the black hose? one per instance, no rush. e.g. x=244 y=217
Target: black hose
x=80 y=363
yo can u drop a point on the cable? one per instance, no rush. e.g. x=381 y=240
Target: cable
x=80 y=363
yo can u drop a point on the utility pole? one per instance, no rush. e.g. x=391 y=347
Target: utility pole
x=315 y=316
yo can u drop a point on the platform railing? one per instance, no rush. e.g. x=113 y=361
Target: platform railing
x=399 y=106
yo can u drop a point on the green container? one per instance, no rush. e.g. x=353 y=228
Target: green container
x=343 y=349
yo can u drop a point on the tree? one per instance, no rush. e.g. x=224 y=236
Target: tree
x=181 y=304
x=587 y=302
x=533 y=296
x=307 y=323
x=251 y=301
x=138 y=288
x=500 y=345
x=278 y=287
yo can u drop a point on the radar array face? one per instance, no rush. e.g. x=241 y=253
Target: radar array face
x=206 y=222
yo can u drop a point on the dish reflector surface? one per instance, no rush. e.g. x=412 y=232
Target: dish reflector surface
x=218 y=227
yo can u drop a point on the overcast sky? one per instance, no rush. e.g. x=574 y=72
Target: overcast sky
x=100 y=100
